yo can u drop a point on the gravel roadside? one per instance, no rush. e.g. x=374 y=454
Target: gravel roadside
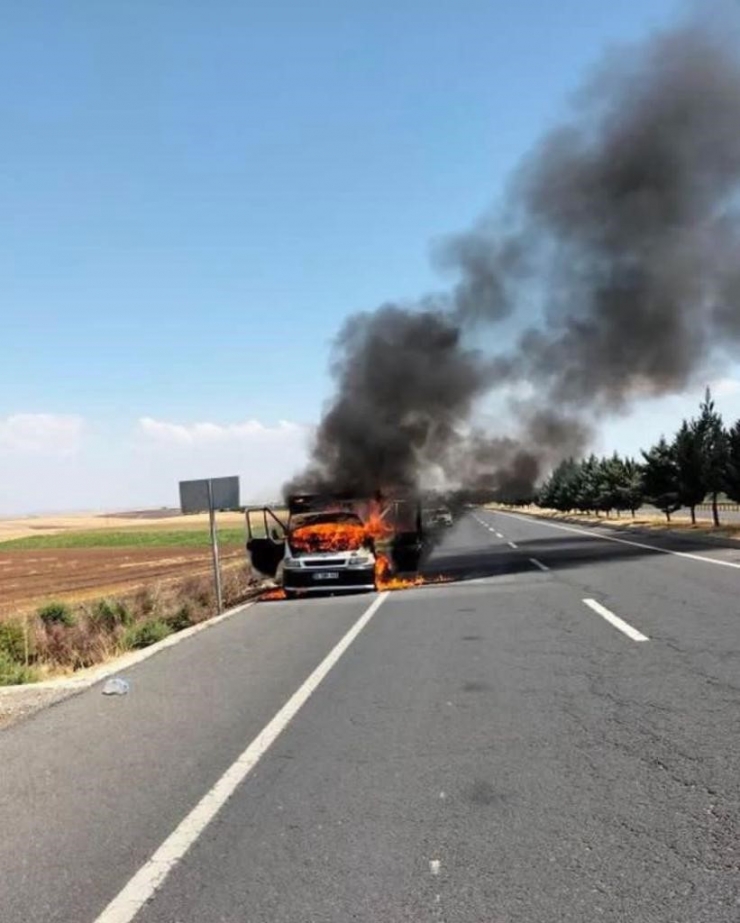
x=25 y=702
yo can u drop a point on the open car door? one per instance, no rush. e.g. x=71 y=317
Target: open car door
x=408 y=539
x=265 y=540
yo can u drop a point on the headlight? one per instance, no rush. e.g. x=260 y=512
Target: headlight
x=361 y=559
x=291 y=562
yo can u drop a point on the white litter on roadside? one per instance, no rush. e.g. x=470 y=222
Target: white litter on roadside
x=116 y=686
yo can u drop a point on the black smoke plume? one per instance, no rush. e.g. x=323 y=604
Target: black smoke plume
x=620 y=231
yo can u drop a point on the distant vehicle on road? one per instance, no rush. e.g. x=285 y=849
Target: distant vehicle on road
x=441 y=518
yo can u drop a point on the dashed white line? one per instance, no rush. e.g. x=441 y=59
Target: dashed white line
x=511 y=544
x=491 y=529
x=539 y=564
x=615 y=620
x=127 y=903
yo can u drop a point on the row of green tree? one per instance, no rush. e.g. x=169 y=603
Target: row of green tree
x=702 y=461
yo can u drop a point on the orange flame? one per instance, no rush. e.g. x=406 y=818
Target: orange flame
x=386 y=580
x=376 y=526
x=270 y=595
x=328 y=536
x=380 y=529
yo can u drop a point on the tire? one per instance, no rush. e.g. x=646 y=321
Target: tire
x=290 y=594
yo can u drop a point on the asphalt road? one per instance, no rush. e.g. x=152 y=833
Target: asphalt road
x=489 y=750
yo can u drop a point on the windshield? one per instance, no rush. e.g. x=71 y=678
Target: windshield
x=323 y=532
x=300 y=520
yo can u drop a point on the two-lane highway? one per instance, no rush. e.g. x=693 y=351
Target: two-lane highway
x=493 y=749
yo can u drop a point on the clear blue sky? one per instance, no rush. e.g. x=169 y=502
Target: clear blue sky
x=195 y=194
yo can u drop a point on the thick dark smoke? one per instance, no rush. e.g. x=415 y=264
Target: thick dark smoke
x=638 y=199
x=405 y=381
x=622 y=229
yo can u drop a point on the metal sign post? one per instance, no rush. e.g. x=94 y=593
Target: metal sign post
x=211 y=494
x=214 y=550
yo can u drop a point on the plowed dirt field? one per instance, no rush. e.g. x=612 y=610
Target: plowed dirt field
x=160 y=550
x=31 y=577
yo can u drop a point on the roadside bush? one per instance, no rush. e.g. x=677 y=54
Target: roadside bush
x=110 y=615
x=13 y=673
x=65 y=638
x=56 y=613
x=144 y=601
x=54 y=645
x=13 y=641
x=198 y=590
x=180 y=619
x=235 y=587
x=142 y=634
x=80 y=645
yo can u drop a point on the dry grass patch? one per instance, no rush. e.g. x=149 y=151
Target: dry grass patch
x=656 y=523
x=60 y=638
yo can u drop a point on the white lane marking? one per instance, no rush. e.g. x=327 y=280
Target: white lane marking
x=511 y=544
x=434 y=866
x=616 y=621
x=624 y=541
x=491 y=529
x=127 y=903
x=539 y=564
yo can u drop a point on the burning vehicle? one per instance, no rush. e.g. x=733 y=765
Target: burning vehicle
x=337 y=544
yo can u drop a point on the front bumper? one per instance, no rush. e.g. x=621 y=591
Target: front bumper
x=329 y=579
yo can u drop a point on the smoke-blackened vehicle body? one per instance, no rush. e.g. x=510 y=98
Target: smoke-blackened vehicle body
x=335 y=543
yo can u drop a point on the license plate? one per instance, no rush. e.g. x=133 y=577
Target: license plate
x=326 y=575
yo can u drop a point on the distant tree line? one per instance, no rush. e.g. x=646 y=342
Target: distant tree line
x=702 y=461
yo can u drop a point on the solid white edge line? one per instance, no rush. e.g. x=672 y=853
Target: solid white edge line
x=539 y=564
x=127 y=903
x=615 y=620
x=622 y=541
